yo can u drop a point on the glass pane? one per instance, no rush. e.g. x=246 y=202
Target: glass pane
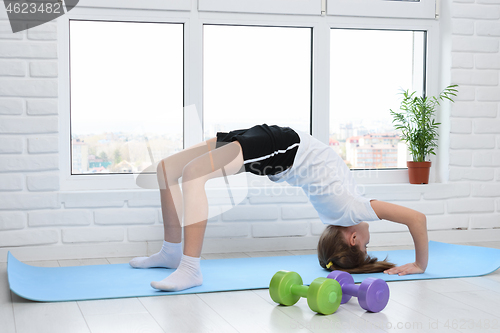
x=126 y=94
x=255 y=75
x=368 y=70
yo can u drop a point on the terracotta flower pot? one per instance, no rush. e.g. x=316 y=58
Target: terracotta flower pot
x=418 y=172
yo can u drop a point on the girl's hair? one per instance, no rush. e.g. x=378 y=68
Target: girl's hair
x=333 y=247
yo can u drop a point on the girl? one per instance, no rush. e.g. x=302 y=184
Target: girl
x=281 y=154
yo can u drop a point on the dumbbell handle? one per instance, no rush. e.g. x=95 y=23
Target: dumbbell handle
x=350 y=289
x=301 y=290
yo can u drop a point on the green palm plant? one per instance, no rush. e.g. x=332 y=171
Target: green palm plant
x=416 y=121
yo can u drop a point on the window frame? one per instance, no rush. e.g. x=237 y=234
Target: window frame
x=84 y=182
x=424 y=9
x=297 y=7
x=181 y=5
x=193 y=88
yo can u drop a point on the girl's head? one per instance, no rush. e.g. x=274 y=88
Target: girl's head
x=345 y=248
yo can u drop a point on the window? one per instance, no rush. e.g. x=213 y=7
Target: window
x=368 y=70
x=180 y=62
x=254 y=75
x=126 y=82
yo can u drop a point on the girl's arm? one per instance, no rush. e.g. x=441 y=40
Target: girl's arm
x=417 y=224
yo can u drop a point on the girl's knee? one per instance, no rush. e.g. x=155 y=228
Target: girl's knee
x=164 y=172
x=161 y=170
x=194 y=173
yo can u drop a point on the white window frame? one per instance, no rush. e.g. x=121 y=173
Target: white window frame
x=193 y=21
x=182 y=5
x=297 y=7
x=424 y=9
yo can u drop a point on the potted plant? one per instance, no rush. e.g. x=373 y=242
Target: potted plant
x=419 y=129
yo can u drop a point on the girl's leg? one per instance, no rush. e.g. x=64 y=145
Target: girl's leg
x=226 y=160
x=169 y=171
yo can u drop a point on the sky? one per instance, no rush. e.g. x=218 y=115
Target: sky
x=368 y=70
x=124 y=76
x=129 y=76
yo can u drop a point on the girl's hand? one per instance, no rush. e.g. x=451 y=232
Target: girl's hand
x=412 y=268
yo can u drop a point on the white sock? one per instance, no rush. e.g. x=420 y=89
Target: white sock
x=188 y=275
x=168 y=257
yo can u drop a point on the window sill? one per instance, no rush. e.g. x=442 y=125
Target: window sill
x=128 y=181
x=392 y=176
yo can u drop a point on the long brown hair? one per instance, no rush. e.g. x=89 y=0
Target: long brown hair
x=333 y=247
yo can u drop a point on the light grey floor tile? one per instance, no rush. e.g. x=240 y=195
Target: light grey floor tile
x=494 y=275
x=301 y=317
x=303 y=252
x=447 y=285
x=438 y=306
x=7 y=323
x=111 y=306
x=495 y=245
x=43 y=263
x=390 y=248
x=40 y=317
x=395 y=317
x=185 y=313
x=486 y=282
x=209 y=256
x=247 y=312
x=486 y=301
x=123 y=323
x=268 y=254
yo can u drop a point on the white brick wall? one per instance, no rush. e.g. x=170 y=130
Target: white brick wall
x=37 y=107
x=11 y=106
x=466 y=109
x=487 y=61
x=11 y=182
x=475 y=123
x=59 y=217
x=12 y=220
x=86 y=235
x=37 y=218
x=48 y=144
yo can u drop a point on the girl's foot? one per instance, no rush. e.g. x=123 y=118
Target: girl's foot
x=168 y=257
x=188 y=275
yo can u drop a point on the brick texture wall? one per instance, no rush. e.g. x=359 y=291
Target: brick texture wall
x=475 y=122
x=38 y=221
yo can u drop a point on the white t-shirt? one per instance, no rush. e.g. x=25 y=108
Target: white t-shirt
x=327 y=182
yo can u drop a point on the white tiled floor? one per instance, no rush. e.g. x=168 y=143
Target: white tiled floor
x=449 y=305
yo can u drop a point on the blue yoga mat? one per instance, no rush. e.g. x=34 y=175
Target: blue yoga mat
x=76 y=283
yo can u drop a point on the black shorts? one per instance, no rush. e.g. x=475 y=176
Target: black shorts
x=267 y=150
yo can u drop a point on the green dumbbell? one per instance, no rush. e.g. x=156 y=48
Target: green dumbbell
x=323 y=295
